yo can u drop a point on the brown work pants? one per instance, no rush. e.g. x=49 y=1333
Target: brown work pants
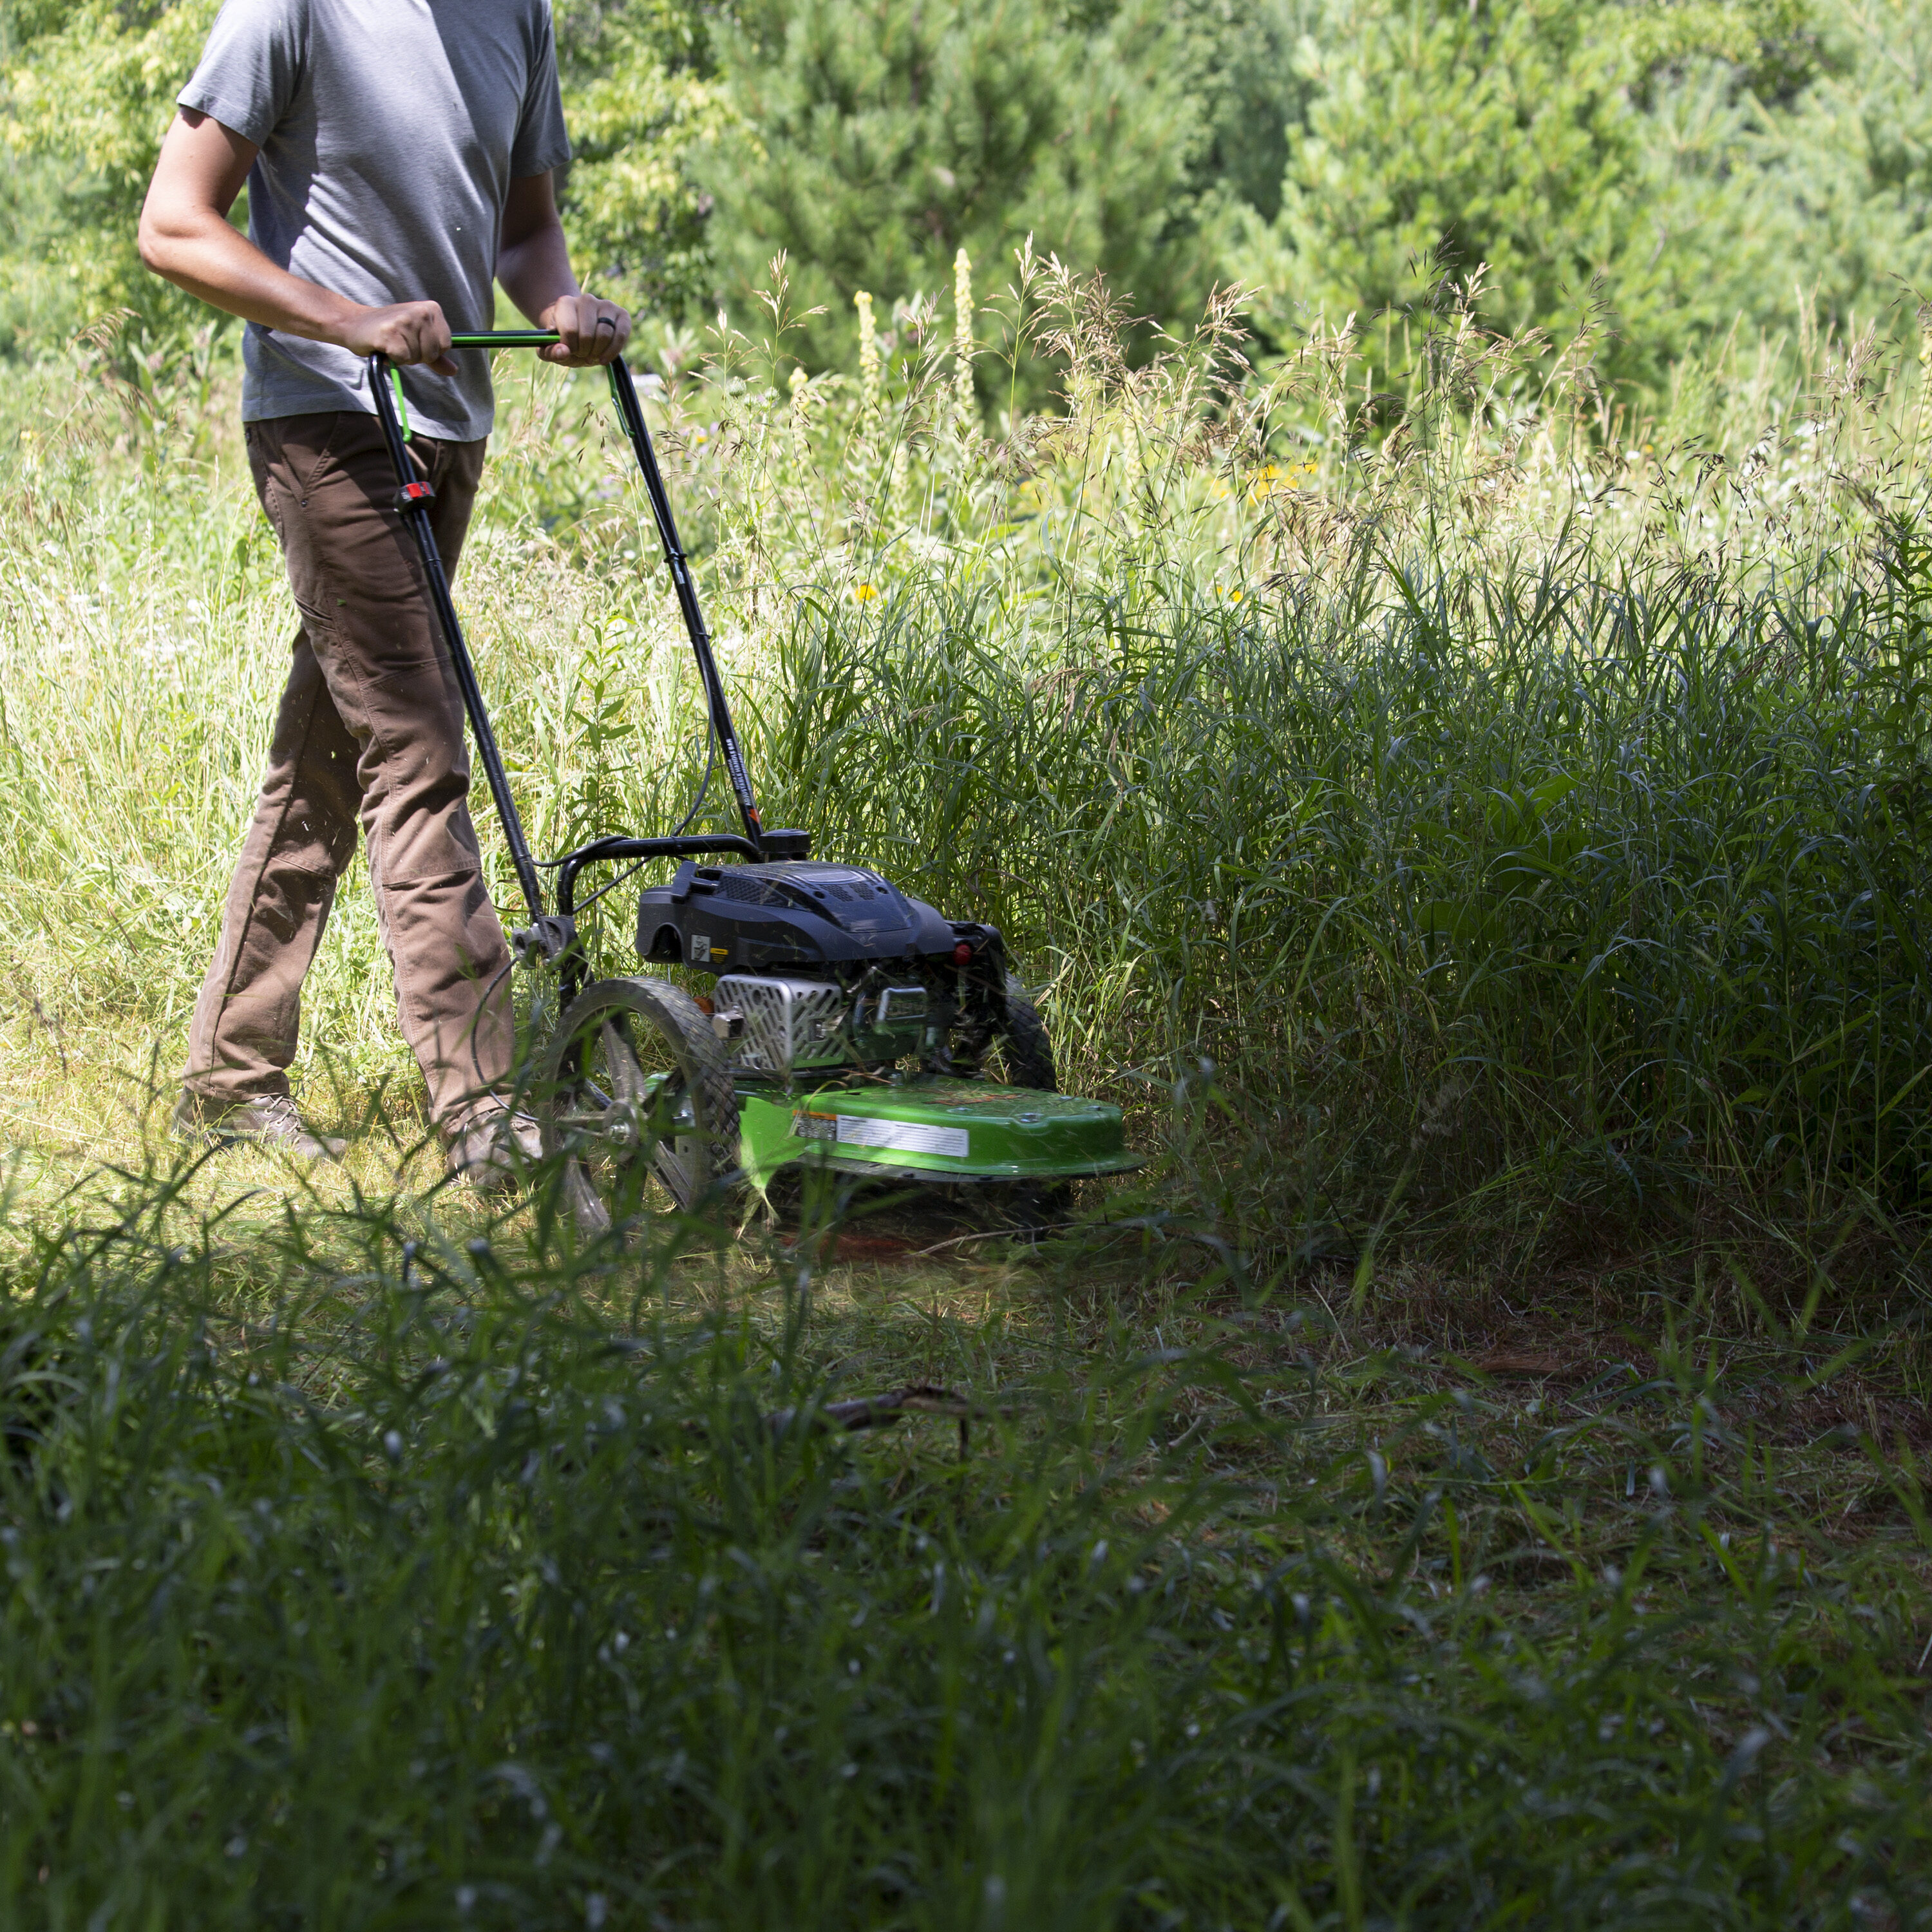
x=370 y=726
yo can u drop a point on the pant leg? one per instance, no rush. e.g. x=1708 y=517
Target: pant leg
x=326 y=484
x=248 y=1014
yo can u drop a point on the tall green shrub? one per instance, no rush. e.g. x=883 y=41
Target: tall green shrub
x=880 y=138
x=88 y=90
x=1589 y=156
x=642 y=94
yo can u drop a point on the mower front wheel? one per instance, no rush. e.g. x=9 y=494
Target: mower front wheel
x=636 y=1099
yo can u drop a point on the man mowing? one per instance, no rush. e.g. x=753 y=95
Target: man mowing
x=400 y=157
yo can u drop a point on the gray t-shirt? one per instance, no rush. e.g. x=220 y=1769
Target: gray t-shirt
x=390 y=131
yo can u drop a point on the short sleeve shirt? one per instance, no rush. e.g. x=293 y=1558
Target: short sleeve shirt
x=390 y=131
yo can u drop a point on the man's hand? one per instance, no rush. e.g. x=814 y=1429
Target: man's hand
x=533 y=265
x=406 y=332
x=593 y=332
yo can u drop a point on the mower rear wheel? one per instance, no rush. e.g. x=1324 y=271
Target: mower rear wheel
x=1021 y=1053
x=636 y=1099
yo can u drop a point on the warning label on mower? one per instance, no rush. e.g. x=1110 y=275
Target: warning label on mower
x=861 y=1130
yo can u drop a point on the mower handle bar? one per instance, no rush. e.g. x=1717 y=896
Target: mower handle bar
x=413 y=500
x=618 y=845
x=505 y=338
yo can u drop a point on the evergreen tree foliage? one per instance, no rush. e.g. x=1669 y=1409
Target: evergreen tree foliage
x=1238 y=58
x=1841 y=183
x=883 y=137
x=1680 y=167
x=1511 y=135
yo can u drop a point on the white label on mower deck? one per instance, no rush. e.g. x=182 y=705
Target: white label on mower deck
x=862 y=1130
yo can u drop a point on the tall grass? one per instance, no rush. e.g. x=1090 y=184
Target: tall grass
x=1520 y=802
x=408 y=1581
x=1478 y=833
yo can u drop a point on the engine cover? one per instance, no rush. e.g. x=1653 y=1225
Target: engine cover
x=806 y=912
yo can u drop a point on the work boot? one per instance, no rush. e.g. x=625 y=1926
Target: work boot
x=269 y=1120
x=495 y=1149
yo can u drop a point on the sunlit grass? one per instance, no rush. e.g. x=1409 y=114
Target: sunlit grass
x=1475 y=1475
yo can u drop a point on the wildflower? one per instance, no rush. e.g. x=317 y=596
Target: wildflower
x=865 y=592
x=1271 y=478
x=962 y=337
x=869 y=355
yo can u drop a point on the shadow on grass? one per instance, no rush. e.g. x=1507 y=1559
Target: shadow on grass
x=370 y=1567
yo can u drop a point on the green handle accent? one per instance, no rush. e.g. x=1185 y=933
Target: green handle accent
x=402 y=404
x=505 y=338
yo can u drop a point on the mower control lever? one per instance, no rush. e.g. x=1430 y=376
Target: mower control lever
x=548 y=937
x=618 y=846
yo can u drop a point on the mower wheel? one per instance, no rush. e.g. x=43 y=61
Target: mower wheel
x=1024 y=1051
x=635 y=1090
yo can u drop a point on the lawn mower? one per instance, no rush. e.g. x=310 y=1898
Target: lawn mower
x=847 y=1025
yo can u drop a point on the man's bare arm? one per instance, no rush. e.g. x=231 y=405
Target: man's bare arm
x=533 y=265
x=185 y=235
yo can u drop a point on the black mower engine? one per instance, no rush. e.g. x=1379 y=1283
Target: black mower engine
x=825 y=965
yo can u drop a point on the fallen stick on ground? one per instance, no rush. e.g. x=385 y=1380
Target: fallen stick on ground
x=869 y=1411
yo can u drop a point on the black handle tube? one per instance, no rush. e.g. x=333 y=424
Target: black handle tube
x=699 y=845
x=624 y=393
x=415 y=513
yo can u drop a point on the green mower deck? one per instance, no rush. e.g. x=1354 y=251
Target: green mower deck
x=932 y=1129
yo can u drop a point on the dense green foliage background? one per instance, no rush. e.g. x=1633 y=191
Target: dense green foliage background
x=1669 y=167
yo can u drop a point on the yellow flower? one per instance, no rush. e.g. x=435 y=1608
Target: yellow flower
x=1271 y=479
x=865 y=592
